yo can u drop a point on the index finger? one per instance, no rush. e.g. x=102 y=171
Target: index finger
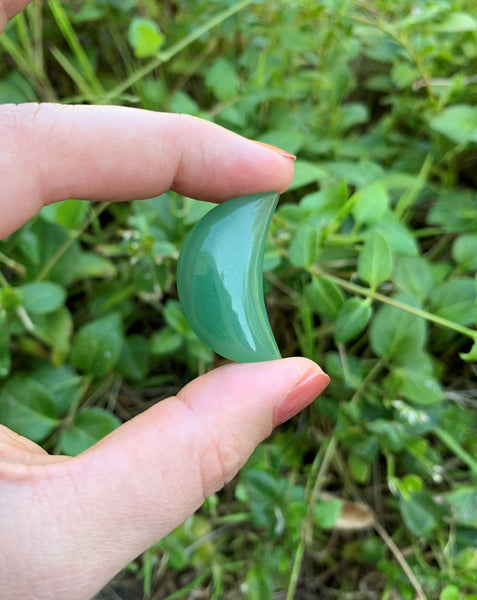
x=50 y=152
x=10 y=8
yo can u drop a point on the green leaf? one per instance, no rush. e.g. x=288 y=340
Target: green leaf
x=175 y=317
x=419 y=387
x=16 y=89
x=182 y=103
x=413 y=275
x=410 y=484
x=163 y=248
x=403 y=74
x=5 y=358
x=89 y=426
x=470 y=356
x=395 y=333
x=55 y=329
x=457 y=22
x=263 y=485
x=353 y=113
x=450 y=592
x=421 y=514
x=63 y=383
x=360 y=468
x=165 y=342
x=457 y=122
x=29 y=246
x=371 y=204
x=10 y=298
x=28 y=408
x=455 y=300
x=42 y=297
x=349 y=370
x=198 y=351
x=327 y=512
x=272 y=259
x=324 y=297
x=90 y=265
x=306 y=173
x=222 y=79
x=258 y=582
x=323 y=207
x=291 y=141
x=97 y=345
x=145 y=37
x=390 y=434
x=52 y=247
x=398 y=236
x=69 y=213
x=355 y=173
x=375 y=260
x=455 y=209
x=133 y=362
x=464 y=252
x=352 y=319
x=463 y=502
x=304 y=246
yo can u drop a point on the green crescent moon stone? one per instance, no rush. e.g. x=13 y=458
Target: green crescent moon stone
x=220 y=279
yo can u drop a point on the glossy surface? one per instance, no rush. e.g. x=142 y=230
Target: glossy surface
x=220 y=279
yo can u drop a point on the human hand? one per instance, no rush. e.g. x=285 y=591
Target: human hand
x=69 y=524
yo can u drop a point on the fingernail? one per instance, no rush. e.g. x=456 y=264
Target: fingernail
x=301 y=396
x=283 y=153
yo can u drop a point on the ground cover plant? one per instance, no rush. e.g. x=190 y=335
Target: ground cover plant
x=370 y=270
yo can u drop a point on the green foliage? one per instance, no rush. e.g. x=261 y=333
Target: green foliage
x=97 y=345
x=371 y=271
x=145 y=37
x=28 y=408
x=88 y=427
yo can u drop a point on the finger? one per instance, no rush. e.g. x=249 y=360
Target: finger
x=163 y=464
x=16 y=449
x=50 y=152
x=8 y=9
x=143 y=480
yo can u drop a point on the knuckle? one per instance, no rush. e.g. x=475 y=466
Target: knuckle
x=219 y=453
x=219 y=462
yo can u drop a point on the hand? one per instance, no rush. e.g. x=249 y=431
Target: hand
x=69 y=524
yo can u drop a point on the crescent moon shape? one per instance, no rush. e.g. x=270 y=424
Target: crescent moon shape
x=220 y=279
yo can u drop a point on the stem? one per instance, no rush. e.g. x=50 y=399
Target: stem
x=410 y=195
x=166 y=55
x=387 y=539
x=388 y=29
x=418 y=312
x=3 y=280
x=69 y=34
x=307 y=523
x=457 y=449
x=369 y=377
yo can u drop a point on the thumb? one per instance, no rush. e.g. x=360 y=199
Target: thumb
x=148 y=476
x=8 y=9
x=165 y=462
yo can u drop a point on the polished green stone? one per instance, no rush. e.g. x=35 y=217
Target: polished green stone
x=220 y=279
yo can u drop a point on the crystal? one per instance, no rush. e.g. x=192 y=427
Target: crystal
x=220 y=279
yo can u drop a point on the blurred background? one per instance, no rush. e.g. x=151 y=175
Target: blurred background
x=370 y=270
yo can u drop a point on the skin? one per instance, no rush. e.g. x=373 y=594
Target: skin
x=69 y=524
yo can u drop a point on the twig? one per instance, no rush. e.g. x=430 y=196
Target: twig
x=398 y=555
x=418 y=312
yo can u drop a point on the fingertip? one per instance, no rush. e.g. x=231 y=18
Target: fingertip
x=222 y=164
x=311 y=383
x=3 y=18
